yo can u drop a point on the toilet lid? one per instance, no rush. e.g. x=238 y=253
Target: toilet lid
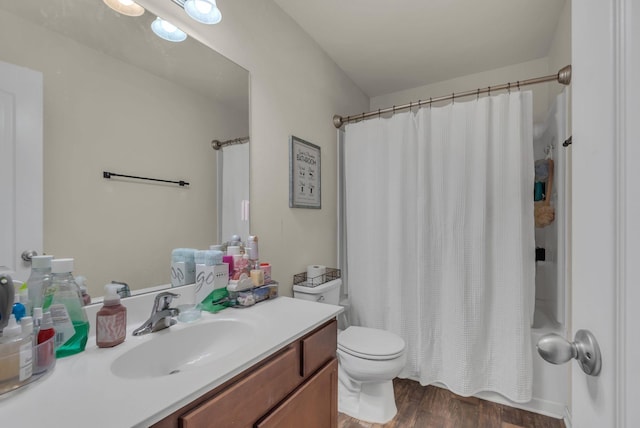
x=370 y=343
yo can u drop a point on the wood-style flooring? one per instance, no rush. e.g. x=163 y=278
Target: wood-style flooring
x=433 y=407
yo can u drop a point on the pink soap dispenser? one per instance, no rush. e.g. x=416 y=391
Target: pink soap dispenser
x=111 y=319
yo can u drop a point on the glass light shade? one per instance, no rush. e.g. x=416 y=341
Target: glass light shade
x=168 y=31
x=205 y=11
x=125 y=7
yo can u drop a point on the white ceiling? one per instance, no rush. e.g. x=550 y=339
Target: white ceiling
x=385 y=46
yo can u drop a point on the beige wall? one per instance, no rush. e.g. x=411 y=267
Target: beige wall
x=559 y=55
x=295 y=90
x=498 y=76
x=119 y=230
x=560 y=51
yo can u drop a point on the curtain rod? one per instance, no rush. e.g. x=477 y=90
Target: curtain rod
x=217 y=144
x=563 y=76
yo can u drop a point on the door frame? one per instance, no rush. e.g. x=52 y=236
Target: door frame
x=606 y=209
x=23 y=197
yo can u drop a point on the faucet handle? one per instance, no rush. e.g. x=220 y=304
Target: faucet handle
x=163 y=301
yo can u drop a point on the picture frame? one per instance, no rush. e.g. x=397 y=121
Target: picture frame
x=304 y=174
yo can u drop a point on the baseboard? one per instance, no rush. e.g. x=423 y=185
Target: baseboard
x=567 y=418
x=536 y=405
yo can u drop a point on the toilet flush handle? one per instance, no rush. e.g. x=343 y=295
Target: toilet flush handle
x=584 y=348
x=320 y=299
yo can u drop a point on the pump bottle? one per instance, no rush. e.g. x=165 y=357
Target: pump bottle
x=111 y=319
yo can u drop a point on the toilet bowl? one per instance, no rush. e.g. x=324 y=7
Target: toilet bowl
x=368 y=360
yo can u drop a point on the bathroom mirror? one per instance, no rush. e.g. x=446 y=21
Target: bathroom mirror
x=117 y=98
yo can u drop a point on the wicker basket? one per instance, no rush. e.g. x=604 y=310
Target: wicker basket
x=329 y=275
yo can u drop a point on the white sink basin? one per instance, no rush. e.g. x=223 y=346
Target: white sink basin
x=172 y=350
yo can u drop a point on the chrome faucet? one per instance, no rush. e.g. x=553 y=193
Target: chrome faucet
x=161 y=314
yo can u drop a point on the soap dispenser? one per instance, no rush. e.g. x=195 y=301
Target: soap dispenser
x=111 y=319
x=62 y=298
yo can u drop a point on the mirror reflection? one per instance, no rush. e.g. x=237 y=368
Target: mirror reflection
x=118 y=98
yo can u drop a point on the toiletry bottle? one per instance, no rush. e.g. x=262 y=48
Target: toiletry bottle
x=18 y=309
x=16 y=356
x=45 y=355
x=111 y=319
x=7 y=299
x=37 y=319
x=37 y=322
x=65 y=305
x=26 y=323
x=38 y=281
x=242 y=267
x=252 y=250
x=80 y=280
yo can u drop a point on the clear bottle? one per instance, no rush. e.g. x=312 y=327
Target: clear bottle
x=16 y=356
x=64 y=301
x=38 y=281
x=252 y=250
x=111 y=319
x=45 y=354
x=81 y=281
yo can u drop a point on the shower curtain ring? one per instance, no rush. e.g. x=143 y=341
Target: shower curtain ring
x=410 y=106
x=478 y=95
x=489 y=90
x=518 y=83
x=378 y=113
x=430 y=102
x=394 y=109
x=453 y=98
x=509 y=88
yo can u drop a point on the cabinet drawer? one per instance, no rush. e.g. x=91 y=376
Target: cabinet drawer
x=243 y=403
x=318 y=348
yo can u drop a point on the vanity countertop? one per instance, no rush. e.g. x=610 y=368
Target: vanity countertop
x=82 y=390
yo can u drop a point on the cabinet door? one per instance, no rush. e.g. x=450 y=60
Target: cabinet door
x=313 y=405
x=318 y=348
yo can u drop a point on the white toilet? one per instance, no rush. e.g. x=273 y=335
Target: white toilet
x=368 y=360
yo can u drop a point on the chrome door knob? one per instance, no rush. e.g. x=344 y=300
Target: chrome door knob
x=584 y=348
x=27 y=255
x=556 y=349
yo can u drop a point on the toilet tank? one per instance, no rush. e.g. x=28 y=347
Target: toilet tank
x=329 y=292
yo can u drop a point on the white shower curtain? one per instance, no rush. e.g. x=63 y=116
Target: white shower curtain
x=440 y=239
x=233 y=191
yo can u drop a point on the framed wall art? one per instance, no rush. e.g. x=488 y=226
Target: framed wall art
x=304 y=174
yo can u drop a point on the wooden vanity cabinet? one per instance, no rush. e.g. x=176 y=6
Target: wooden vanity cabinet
x=297 y=386
x=311 y=406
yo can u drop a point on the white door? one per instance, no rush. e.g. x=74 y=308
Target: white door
x=606 y=208
x=20 y=167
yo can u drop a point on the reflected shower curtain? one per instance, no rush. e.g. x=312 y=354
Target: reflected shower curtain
x=233 y=191
x=440 y=239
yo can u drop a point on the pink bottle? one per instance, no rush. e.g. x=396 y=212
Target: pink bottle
x=111 y=319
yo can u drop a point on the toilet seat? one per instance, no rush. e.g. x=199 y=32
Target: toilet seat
x=370 y=343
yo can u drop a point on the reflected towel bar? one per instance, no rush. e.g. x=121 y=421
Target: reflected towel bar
x=108 y=175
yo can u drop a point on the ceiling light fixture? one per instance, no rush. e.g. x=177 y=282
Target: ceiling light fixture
x=125 y=7
x=204 y=11
x=166 y=30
